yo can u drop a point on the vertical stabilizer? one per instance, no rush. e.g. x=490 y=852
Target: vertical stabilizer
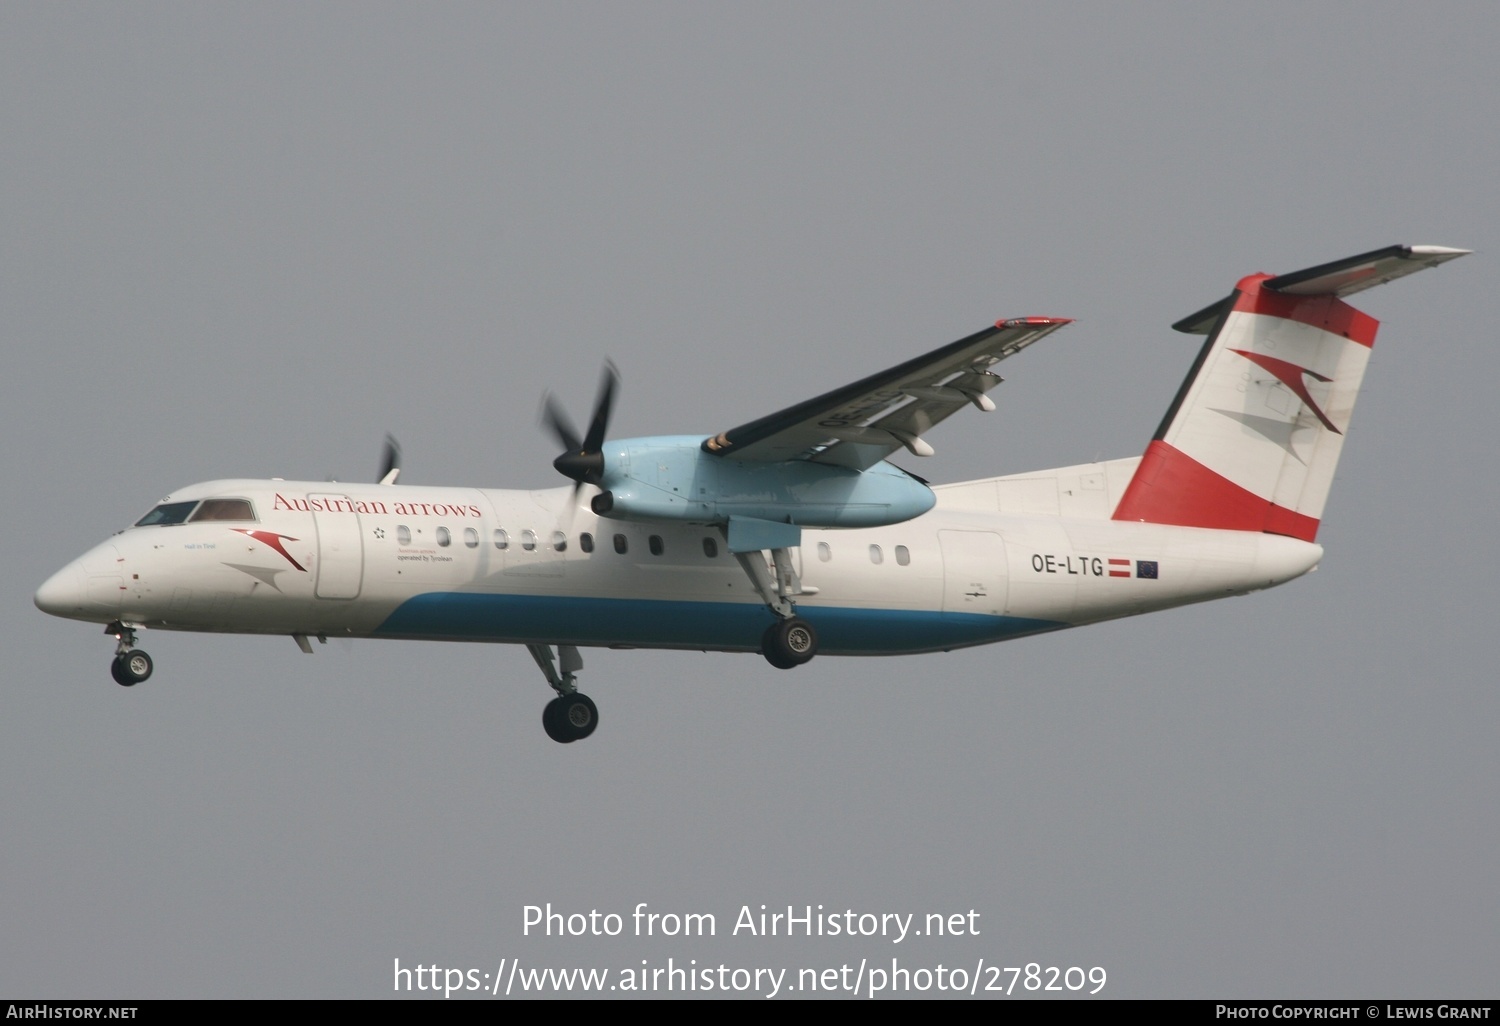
x=1252 y=439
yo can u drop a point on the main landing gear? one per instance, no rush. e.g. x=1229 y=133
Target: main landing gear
x=572 y=715
x=791 y=640
x=130 y=665
x=789 y=643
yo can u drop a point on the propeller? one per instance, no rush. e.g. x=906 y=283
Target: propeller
x=583 y=458
x=390 y=462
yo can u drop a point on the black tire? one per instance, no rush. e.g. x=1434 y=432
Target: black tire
x=570 y=718
x=130 y=668
x=117 y=671
x=552 y=721
x=774 y=655
x=789 y=643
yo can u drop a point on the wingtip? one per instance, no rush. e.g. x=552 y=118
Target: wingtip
x=1438 y=251
x=1032 y=322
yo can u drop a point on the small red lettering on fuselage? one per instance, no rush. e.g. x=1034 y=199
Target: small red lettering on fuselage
x=435 y=509
x=329 y=504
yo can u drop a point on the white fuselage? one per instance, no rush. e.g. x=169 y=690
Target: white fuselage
x=322 y=558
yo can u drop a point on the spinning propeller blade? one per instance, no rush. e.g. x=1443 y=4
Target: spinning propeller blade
x=554 y=417
x=583 y=460
x=390 y=462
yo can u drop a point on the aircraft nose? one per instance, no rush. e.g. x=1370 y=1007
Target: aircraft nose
x=76 y=593
x=65 y=592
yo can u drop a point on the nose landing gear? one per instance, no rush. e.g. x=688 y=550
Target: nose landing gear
x=130 y=665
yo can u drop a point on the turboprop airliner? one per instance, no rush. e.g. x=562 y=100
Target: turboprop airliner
x=791 y=535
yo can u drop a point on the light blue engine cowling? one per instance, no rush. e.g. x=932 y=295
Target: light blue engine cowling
x=672 y=478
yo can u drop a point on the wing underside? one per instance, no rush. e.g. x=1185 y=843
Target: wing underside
x=861 y=424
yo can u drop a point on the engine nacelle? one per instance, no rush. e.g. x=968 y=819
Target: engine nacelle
x=672 y=478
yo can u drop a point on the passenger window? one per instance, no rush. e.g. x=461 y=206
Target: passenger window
x=403 y=535
x=444 y=537
x=622 y=544
x=586 y=542
x=710 y=548
x=903 y=555
x=223 y=509
x=824 y=552
x=559 y=541
x=471 y=538
x=167 y=513
x=528 y=540
x=876 y=556
x=654 y=543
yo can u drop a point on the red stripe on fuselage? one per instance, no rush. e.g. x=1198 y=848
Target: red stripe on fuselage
x=1170 y=487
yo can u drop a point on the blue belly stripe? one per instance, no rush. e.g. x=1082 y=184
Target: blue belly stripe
x=655 y=623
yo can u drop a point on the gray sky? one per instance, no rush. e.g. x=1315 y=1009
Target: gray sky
x=250 y=240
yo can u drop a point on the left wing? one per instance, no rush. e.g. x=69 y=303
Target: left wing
x=861 y=424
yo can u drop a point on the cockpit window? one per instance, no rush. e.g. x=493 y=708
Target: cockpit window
x=223 y=509
x=167 y=513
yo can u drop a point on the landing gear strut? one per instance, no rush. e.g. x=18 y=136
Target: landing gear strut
x=572 y=715
x=791 y=640
x=130 y=665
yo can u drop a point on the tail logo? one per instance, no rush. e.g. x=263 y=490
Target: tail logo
x=1293 y=377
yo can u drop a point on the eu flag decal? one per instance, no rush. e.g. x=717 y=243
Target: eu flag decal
x=1146 y=569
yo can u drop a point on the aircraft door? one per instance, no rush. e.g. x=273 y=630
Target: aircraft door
x=341 y=555
x=974 y=574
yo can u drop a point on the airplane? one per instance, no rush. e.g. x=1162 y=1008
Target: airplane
x=791 y=535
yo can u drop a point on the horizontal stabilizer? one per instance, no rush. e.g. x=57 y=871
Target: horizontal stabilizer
x=1339 y=278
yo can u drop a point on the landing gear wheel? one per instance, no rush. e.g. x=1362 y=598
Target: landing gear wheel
x=789 y=643
x=569 y=718
x=130 y=668
x=774 y=655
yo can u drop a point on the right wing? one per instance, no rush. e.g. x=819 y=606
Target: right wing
x=861 y=424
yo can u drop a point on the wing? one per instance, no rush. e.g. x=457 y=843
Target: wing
x=861 y=424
